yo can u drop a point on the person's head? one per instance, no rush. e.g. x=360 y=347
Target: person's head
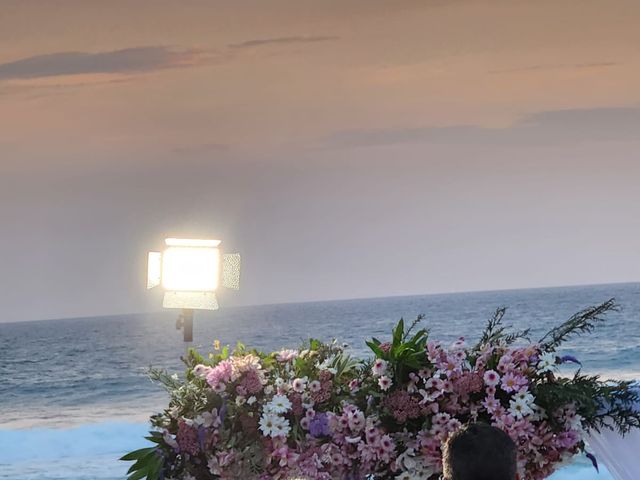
x=479 y=452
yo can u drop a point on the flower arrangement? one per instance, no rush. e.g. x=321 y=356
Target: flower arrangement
x=317 y=413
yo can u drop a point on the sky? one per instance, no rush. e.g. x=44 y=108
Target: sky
x=352 y=148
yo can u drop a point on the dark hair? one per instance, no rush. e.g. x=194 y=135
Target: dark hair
x=479 y=452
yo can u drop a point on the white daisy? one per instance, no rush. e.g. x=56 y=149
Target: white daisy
x=278 y=404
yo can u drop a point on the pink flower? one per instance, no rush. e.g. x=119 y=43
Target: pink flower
x=251 y=382
x=304 y=422
x=505 y=364
x=453 y=425
x=512 y=382
x=386 y=443
x=441 y=419
x=490 y=404
x=356 y=421
x=568 y=439
x=402 y=405
x=221 y=373
x=434 y=383
x=434 y=351
x=315 y=386
x=187 y=438
x=467 y=383
x=285 y=355
x=491 y=378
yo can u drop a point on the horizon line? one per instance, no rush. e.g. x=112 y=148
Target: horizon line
x=331 y=300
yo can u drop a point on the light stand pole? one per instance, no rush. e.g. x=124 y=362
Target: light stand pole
x=185 y=322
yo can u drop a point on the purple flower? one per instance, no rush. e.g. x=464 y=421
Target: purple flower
x=201 y=437
x=570 y=358
x=223 y=411
x=319 y=425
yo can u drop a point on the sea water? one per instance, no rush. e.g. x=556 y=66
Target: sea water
x=74 y=395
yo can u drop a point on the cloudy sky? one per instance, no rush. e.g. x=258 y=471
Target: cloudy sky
x=345 y=148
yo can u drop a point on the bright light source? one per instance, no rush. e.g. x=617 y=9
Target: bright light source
x=191 y=269
x=190 y=242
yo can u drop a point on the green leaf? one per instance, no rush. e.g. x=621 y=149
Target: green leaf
x=139 y=474
x=137 y=454
x=377 y=350
x=398 y=332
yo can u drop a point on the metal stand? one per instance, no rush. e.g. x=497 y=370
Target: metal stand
x=185 y=322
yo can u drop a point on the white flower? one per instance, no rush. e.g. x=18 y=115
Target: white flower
x=385 y=383
x=519 y=408
x=251 y=400
x=278 y=404
x=547 y=362
x=267 y=424
x=326 y=365
x=281 y=427
x=240 y=400
x=281 y=384
x=525 y=396
x=426 y=397
x=174 y=376
x=379 y=367
x=575 y=422
x=268 y=390
x=299 y=384
x=200 y=370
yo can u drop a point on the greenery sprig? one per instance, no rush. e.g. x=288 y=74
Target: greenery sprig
x=582 y=322
x=495 y=332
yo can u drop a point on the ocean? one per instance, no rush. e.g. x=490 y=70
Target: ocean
x=74 y=395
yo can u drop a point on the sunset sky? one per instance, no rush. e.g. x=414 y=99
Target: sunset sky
x=345 y=148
